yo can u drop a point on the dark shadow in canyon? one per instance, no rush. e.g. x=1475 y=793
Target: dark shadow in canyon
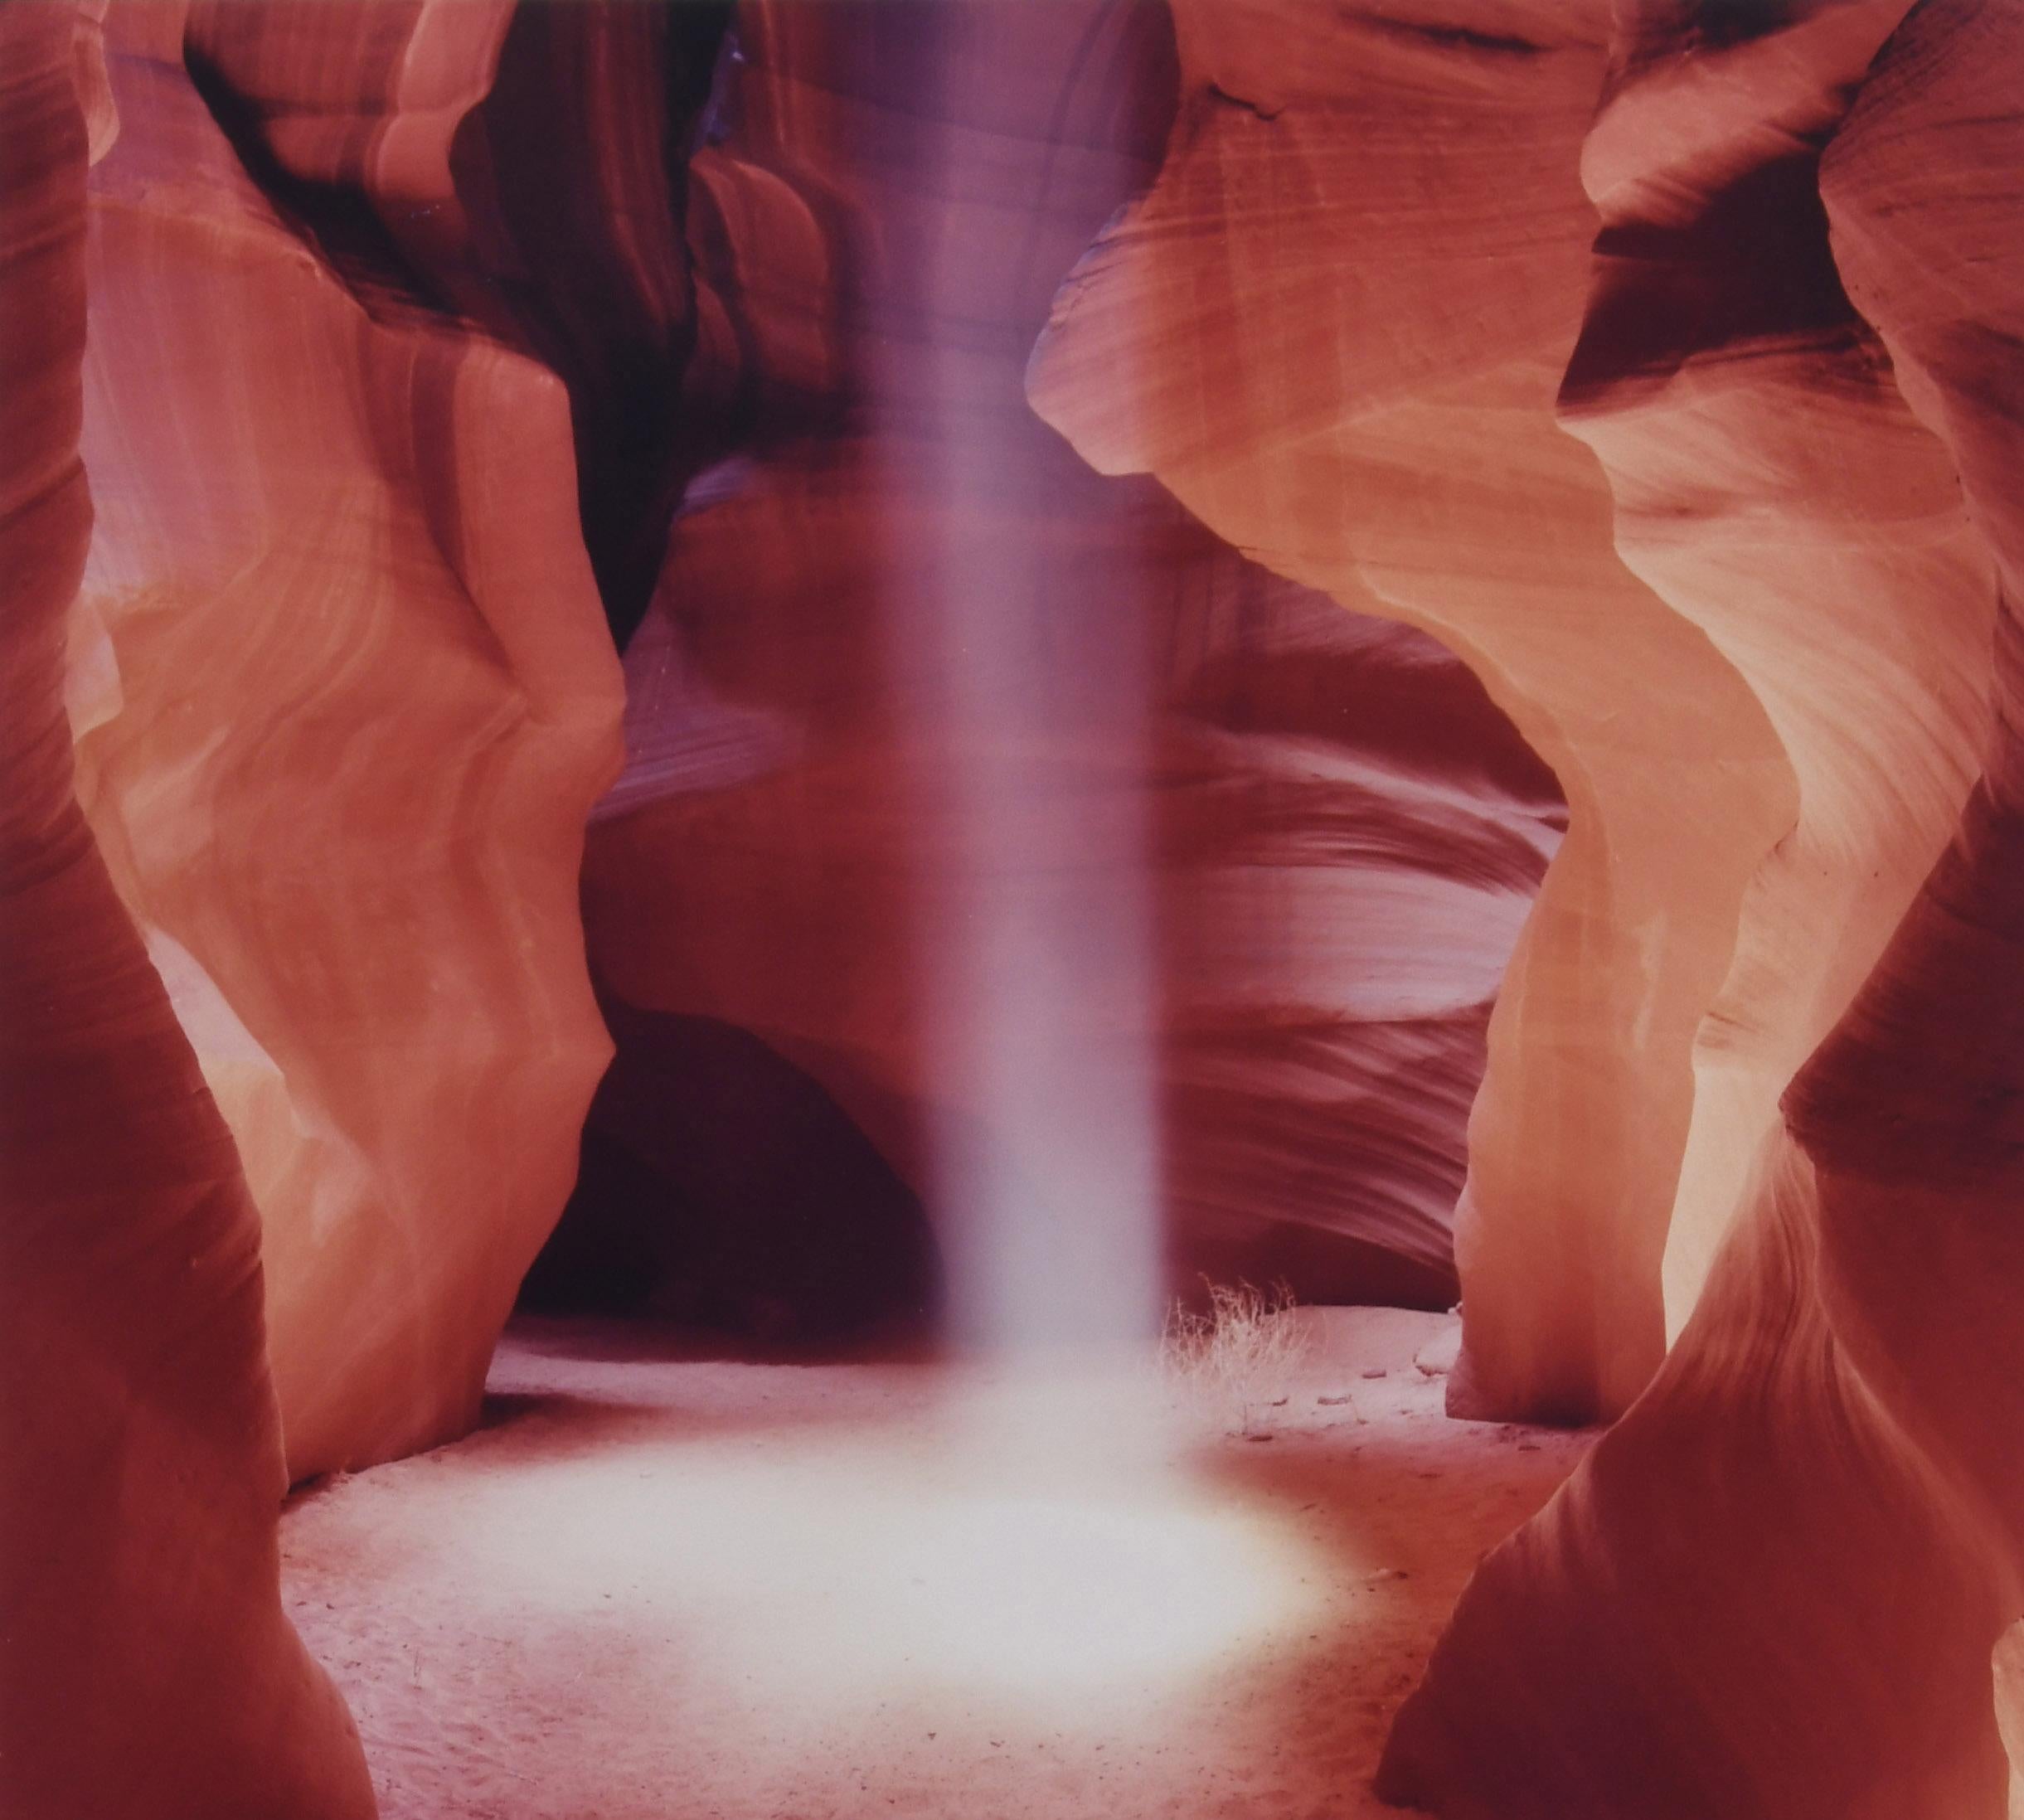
x=723 y=1190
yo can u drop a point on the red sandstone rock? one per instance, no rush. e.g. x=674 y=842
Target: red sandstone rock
x=1775 y=1588
x=1316 y=1090
x=137 y=1557
x=398 y=132
x=1345 y=833
x=343 y=696
x=1334 y=330
x=1771 y=485
x=1337 y=893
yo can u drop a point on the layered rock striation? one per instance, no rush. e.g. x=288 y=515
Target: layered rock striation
x=1774 y=1589
x=371 y=326
x=343 y=694
x=1335 y=329
x=1471 y=434
x=138 y=1515
x=1341 y=832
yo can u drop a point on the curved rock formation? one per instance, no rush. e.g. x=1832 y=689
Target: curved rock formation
x=398 y=133
x=381 y=453
x=1334 y=330
x=137 y=1553
x=337 y=543
x=394 y=337
x=1771 y=485
x=1774 y=1589
x=577 y=241
x=1344 y=832
x=1909 y=1112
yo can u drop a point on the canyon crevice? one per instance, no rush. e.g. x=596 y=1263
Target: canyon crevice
x=1366 y=646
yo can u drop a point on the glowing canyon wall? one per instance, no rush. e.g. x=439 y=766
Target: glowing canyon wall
x=1342 y=834
x=138 y=1550
x=475 y=386
x=1775 y=1588
x=1344 y=308
x=1504 y=512
x=337 y=539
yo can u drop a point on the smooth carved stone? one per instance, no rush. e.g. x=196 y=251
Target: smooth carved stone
x=398 y=134
x=1334 y=329
x=410 y=327
x=343 y=694
x=1774 y=1590
x=1772 y=486
x=148 y=1668
x=1344 y=834
x=1346 y=839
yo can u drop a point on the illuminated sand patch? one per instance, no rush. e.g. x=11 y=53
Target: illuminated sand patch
x=657 y=1588
x=1023 y=1550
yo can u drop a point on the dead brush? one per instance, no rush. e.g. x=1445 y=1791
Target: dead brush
x=1237 y=1354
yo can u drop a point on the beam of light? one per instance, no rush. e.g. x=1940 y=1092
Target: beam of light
x=1025 y=684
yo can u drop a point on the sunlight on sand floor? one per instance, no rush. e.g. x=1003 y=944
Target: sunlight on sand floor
x=656 y=1587
x=848 y=1571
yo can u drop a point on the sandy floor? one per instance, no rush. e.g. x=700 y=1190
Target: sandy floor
x=653 y=1588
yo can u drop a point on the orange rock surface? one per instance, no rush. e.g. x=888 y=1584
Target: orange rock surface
x=337 y=539
x=1772 y=486
x=1344 y=834
x=360 y=511
x=138 y=1555
x=1775 y=1588
x=1135 y=596
x=1335 y=329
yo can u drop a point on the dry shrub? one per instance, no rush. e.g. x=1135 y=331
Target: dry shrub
x=1237 y=1353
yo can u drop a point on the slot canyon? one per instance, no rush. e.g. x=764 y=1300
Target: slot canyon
x=966 y=907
